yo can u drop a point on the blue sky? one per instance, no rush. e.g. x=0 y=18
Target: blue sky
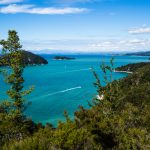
x=78 y=25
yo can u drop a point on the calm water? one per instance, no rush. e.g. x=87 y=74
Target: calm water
x=64 y=85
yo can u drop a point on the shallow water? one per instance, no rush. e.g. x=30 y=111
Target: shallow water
x=64 y=85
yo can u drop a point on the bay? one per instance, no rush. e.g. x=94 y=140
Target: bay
x=64 y=85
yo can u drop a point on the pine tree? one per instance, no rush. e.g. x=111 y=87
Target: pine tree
x=14 y=77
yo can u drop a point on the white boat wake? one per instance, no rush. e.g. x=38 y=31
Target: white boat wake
x=63 y=91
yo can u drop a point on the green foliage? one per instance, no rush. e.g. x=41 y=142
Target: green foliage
x=28 y=58
x=13 y=123
x=132 y=67
x=14 y=78
x=118 y=121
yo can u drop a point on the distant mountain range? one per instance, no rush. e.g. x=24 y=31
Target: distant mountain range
x=139 y=54
x=63 y=52
x=59 y=52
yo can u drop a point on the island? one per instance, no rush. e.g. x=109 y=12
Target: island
x=28 y=59
x=63 y=58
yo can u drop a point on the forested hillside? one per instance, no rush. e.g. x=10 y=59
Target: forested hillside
x=27 y=57
x=120 y=120
x=133 y=67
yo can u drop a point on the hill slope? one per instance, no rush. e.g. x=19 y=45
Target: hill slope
x=121 y=121
x=132 y=67
x=28 y=58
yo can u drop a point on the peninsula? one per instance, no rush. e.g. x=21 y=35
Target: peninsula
x=130 y=68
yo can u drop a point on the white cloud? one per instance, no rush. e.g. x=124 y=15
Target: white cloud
x=89 y=45
x=125 y=44
x=9 y=1
x=141 y=30
x=31 y=9
x=62 y=45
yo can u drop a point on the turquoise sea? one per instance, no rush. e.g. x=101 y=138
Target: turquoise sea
x=64 y=85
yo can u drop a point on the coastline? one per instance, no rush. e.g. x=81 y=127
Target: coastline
x=128 y=72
